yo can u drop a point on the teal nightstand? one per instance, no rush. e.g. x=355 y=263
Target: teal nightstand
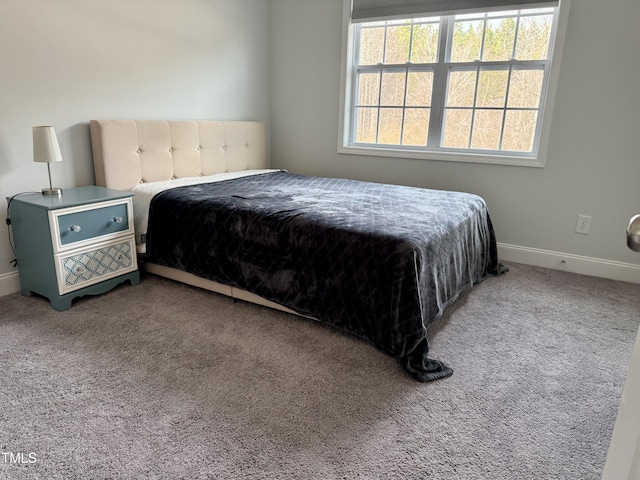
x=79 y=243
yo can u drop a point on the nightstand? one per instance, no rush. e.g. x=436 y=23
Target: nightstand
x=79 y=243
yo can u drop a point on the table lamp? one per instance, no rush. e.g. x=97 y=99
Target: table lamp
x=47 y=150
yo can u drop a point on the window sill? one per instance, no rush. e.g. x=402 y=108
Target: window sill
x=513 y=160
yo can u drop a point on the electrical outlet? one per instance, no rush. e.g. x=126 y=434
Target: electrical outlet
x=584 y=224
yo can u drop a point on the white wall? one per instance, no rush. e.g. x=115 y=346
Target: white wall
x=65 y=62
x=593 y=163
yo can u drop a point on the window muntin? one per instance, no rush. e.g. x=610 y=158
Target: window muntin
x=480 y=89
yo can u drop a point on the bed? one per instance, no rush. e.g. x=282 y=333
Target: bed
x=381 y=262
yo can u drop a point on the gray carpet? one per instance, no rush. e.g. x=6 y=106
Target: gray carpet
x=167 y=381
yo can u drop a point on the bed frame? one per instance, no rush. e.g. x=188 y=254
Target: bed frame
x=129 y=152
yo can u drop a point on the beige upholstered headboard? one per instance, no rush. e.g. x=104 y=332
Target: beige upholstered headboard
x=129 y=152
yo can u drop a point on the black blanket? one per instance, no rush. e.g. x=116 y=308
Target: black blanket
x=379 y=261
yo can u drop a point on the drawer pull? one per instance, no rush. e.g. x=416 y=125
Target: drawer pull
x=80 y=269
x=75 y=228
x=117 y=219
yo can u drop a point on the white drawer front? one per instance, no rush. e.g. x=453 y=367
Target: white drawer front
x=81 y=268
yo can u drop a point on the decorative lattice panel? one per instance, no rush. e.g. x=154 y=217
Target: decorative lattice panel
x=105 y=261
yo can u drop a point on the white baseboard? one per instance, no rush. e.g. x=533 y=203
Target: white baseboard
x=9 y=283
x=595 y=267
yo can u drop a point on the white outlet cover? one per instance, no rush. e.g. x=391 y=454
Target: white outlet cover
x=584 y=224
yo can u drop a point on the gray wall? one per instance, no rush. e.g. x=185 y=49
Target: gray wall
x=593 y=163
x=65 y=62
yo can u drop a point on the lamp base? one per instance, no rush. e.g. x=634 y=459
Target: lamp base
x=52 y=191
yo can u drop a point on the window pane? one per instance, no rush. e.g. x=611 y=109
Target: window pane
x=468 y=16
x=457 y=125
x=525 y=89
x=537 y=10
x=398 y=41
x=462 y=86
x=492 y=88
x=416 y=126
x=487 y=125
x=419 y=89
x=390 y=126
x=533 y=37
x=371 y=46
x=392 y=89
x=519 y=130
x=367 y=125
x=368 y=89
x=467 y=40
x=424 y=47
x=400 y=21
x=507 y=13
x=499 y=40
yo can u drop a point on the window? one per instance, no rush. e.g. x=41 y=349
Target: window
x=469 y=86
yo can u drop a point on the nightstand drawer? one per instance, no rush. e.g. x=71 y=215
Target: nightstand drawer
x=77 y=226
x=99 y=262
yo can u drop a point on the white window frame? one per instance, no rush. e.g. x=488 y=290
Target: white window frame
x=543 y=131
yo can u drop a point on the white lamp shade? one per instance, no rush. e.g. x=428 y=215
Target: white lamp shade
x=45 y=145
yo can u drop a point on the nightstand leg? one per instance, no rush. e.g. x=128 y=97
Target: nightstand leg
x=61 y=304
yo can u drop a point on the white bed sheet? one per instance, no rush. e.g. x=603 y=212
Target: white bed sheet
x=145 y=192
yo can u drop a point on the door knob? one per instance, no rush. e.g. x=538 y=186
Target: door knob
x=633 y=233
